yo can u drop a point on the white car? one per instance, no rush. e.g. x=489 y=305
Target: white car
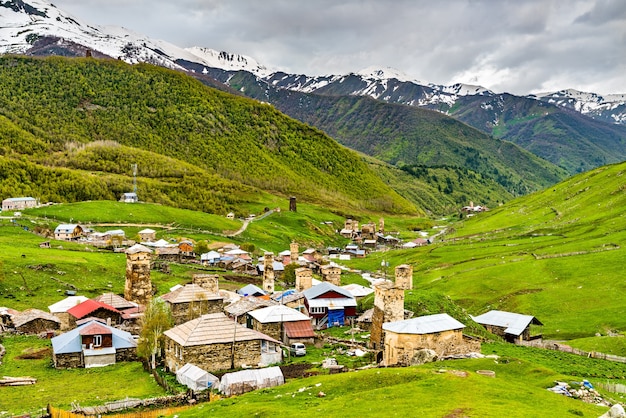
x=297 y=349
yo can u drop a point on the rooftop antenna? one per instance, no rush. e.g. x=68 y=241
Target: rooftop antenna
x=134 y=166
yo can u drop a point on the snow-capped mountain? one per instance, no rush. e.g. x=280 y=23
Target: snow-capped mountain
x=24 y=23
x=38 y=27
x=611 y=108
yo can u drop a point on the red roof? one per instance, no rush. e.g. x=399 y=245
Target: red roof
x=299 y=329
x=95 y=329
x=87 y=307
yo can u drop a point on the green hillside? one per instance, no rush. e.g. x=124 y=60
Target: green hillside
x=564 y=137
x=556 y=254
x=53 y=108
x=407 y=136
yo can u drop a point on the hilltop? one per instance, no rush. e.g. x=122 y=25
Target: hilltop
x=101 y=116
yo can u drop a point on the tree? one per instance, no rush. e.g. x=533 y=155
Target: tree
x=156 y=320
x=289 y=274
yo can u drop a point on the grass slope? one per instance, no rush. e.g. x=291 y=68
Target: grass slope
x=556 y=254
x=53 y=106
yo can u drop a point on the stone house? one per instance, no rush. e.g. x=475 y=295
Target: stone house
x=331 y=273
x=6 y=317
x=238 y=310
x=404 y=340
x=35 y=321
x=282 y=323
x=18 y=203
x=186 y=249
x=168 y=254
x=192 y=301
x=329 y=305
x=94 y=309
x=115 y=301
x=214 y=342
x=93 y=344
x=513 y=327
x=147 y=235
x=60 y=308
x=68 y=232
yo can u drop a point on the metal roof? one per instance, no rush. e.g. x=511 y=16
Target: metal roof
x=514 y=323
x=428 y=324
x=71 y=342
x=31 y=314
x=251 y=290
x=67 y=303
x=278 y=313
x=324 y=287
x=83 y=309
x=138 y=248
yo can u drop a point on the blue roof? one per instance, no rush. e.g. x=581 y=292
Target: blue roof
x=71 y=342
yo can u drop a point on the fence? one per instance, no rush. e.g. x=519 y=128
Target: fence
x=153 y=413
x=552 y=345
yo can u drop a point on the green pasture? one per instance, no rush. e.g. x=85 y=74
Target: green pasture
x=449 y=388
x=60 y=388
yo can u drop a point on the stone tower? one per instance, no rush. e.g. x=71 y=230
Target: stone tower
x=331 y=274
x=138 y=287
x=388 y=307
x=209 y=282
x=268 y=273
x=292 y=204
x=304 y=279
x=381 y=225
x=294 y=253
x=404 y=276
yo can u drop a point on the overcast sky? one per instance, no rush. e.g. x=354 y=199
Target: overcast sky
x=517 y=46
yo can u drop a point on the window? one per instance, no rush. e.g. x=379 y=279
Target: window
x=97 y=340
x=317 y=309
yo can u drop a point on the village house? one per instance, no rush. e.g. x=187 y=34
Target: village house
x=513 y=327
x=214 y=342
x=406 y=340
x=129 y=197
x=209 y=259
x=92 y=309
x=312 y=255
x=60 y=308
x=68 y=232
x=277 y=267
x=331 y=273
x=358 y=291
x=186 y=249
x=35 y=321
x=93 y=344
x=147 y=235
x=282 y=323
x=170 y=253
x=291 y=298
x=238 y=310
x=116 y=301
x=19 y=203
x=192 y=301
x=329 y=305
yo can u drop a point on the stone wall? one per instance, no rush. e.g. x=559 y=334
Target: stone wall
x=186 y=311
x=402 y=349
x=138 y=287
x=37 y=326
x=332 y=275
x=125 y=354
x=214 y=357
x=294 y=252
x=68 y=360
x=304 y=279
x=268 y=273
x=388 y=307
x=272 y=329
x=210 y=282
x=404 y=276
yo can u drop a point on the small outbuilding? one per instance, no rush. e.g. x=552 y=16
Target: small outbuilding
x=244 y=381
x=195 y=378
x=513 y=327
x=282 y=323
x=35 y=321
x=192 y=301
